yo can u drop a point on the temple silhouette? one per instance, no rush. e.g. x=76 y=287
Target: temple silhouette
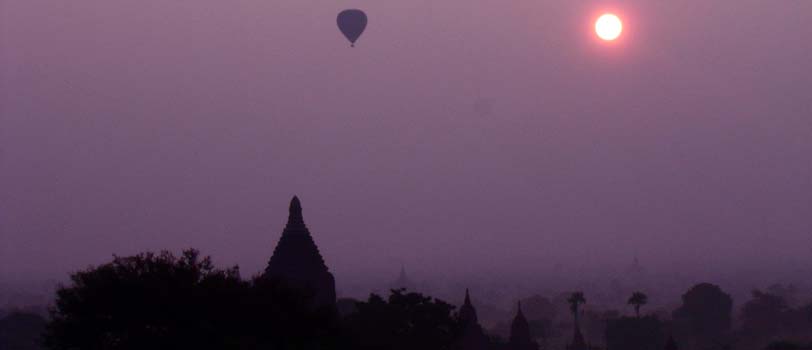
x=403 y=281
x=472 y=336
x=520 y=338
x=297 y=262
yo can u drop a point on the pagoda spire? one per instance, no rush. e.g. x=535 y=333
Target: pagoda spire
x=467 y=311
x=295 y=217
x=520 y=338
x=472 y=337
x=403 y=281
x=519 y=312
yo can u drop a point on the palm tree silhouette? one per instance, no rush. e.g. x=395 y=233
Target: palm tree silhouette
x=575 y=300
x=638 y=299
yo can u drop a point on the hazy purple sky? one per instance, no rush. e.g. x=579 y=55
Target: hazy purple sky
x=457 y=134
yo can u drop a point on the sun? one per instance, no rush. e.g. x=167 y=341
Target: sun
x=608 y=27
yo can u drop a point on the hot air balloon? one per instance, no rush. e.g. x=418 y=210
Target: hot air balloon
x=352 y=23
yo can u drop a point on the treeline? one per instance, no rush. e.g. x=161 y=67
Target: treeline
x=163 y=301
x=159 y=301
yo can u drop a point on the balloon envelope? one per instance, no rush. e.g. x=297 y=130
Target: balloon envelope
x=352 y=23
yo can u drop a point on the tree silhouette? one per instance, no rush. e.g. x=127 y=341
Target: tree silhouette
x=403 y=321
x=145 y=301
x=635 y=333
x=21 y=331
x=765 y=315
x=575 y=300
x=159 y=301
x=706 y=312
x=638 y=299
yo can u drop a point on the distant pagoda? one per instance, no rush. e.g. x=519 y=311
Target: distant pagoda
x=297 y=262
x=404 y=282
x=520 y=338
x=472 y=337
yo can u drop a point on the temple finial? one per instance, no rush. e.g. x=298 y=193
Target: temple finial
x=295 y=212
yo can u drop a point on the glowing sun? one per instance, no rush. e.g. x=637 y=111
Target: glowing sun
x=608 y=27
